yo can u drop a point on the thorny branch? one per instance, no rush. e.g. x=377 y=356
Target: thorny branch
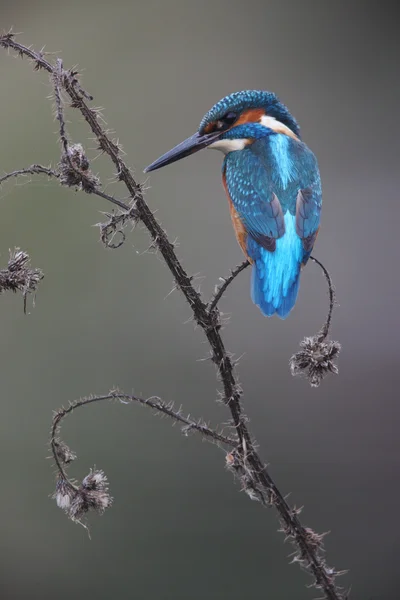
x=77 y=499
x=244 y=459
x=41 y=170
x=32 y=170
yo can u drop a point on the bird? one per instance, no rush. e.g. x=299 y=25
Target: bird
x=273 y=186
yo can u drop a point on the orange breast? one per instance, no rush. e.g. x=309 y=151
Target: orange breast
x=239 y=228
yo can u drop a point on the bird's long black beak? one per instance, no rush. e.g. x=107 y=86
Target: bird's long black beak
x=193 y=144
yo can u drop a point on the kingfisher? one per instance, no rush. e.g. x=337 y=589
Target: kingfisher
x=273 y=186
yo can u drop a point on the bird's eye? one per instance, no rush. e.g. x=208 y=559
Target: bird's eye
x=229 y=118
x=226 y=121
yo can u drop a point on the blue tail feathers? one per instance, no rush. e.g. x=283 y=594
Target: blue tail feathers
x=269 y=305
x=276 y=275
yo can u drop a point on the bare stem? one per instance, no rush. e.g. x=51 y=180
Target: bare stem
x=326 y=326
x=155 y=403
x=32 y=170
x=219 y=292
x=40 y=170
x=115 y=201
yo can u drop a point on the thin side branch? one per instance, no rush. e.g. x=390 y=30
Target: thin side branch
x=92 y=493
x=155 y=403
x=219 y=292
x=32 y=170
x=332 y=300
x=52 y=173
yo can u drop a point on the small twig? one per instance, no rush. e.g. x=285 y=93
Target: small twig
x=7 y=40
x=40 y=170
x=326 y=326
x=57 y=79
x=73 y=498
x=154 y=403
x=32 y=170
x=223 y=287
x=122 y=205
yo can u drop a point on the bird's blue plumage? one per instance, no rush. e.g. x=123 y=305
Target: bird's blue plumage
x=275 y=187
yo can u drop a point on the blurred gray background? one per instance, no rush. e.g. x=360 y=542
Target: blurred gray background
x=179 y=528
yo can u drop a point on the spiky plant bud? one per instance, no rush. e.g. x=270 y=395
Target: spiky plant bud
x=92 y=494
x=19 y=275
x=64 y=494
x=315 y=359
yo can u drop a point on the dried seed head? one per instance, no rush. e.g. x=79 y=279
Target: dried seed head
x=74 y=169
x=64 y=494
x=96 y=480
x=19 y=275
x=315 y=359
x=92 y=494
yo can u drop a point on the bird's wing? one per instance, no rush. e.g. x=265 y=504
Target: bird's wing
x=302 y=194
x=308 y=211
x=250 y=190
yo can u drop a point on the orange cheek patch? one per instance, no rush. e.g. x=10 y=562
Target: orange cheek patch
x=209 y=128
x=252 y=115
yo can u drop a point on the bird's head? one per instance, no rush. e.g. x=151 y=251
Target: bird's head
x=233 y=123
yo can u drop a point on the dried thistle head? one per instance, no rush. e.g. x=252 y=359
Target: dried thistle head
x=19 y=275
x=64 y=494
x=315 y=359
x=74 y=169
x=91 y=494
